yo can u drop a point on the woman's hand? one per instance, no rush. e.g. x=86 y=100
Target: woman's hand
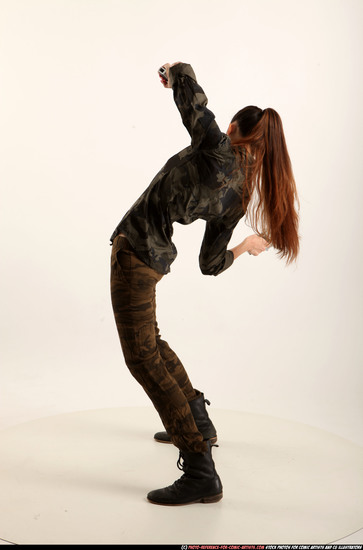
x=167 y=66
x=253 y=244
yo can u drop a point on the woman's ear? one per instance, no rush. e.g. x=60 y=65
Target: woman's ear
x=232 y=128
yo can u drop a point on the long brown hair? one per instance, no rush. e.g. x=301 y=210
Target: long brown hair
x=273 y=201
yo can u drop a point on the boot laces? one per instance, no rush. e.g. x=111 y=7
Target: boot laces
x=180 y=463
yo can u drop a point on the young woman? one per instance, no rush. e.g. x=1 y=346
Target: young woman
x=218 y=178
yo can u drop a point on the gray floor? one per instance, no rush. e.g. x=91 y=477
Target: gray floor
x=82 y=478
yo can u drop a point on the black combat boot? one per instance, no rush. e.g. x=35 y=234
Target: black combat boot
x=202 y=420
x=199 y=483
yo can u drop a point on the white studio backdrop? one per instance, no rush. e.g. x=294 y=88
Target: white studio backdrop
x=85 y=125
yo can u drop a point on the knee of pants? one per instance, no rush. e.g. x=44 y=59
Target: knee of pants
x=138 y=344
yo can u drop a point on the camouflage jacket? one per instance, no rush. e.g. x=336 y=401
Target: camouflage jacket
x=203 y=181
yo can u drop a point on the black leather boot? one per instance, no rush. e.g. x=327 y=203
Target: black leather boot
x=199 y=483
x=202 y=420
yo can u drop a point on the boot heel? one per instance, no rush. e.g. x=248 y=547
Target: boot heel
x=214 y=498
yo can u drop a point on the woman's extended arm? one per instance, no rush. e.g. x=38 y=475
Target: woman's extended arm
x=253 y=244
x=191 y=102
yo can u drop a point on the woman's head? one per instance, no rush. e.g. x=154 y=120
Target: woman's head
x=246 y=120
x=269 y=177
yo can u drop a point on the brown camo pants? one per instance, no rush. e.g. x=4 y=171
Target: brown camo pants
x=149 y=358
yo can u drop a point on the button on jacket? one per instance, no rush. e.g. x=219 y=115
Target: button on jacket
x=203 y=181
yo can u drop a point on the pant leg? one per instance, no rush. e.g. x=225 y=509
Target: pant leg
x=175 y=367
x=133 y=285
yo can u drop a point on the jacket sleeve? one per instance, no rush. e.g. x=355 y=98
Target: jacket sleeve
x=214 y=258
x=192 y=105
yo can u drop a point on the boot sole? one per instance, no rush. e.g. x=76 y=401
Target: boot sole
x=203 y=500
x=213 y=440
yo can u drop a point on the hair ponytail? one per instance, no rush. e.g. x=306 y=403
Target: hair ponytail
x=270 y=181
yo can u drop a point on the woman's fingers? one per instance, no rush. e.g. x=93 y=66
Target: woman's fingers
x=165 y=80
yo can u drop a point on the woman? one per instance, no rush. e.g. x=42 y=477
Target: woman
x=218 y=178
